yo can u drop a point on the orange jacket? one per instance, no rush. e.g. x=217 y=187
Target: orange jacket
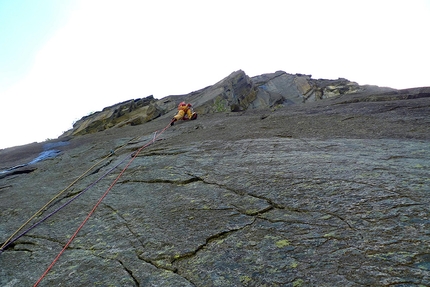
x=183 y=106
x=183 y=109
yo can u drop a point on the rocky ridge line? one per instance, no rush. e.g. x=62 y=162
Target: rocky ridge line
x=237 y=92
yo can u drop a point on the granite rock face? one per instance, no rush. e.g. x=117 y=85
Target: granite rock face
x=235 y=93
x=330 y=193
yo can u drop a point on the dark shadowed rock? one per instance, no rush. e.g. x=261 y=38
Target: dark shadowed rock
x=330 y=193
x=234 y=93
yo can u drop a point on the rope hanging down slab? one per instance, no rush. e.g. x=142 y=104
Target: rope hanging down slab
x=11 y=239
x=59 y=208
x=134 y=155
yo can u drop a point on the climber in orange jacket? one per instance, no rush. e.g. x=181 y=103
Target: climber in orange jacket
x=185 y=112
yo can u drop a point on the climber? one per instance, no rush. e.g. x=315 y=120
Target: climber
x=185 y=112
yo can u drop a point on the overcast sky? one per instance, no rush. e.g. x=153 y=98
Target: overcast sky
x=61 y=60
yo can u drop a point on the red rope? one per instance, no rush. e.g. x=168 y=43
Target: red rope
x=95 y=206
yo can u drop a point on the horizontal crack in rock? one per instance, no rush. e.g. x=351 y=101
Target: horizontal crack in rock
x=160 y=153
x=18 y=171
x=22 y=241
x=254 y=213
x=341 y=219
x=16 y=246
x=5 y=187
x=159 y=180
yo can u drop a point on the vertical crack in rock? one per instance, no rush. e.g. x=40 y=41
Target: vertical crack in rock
x=136 y=282
x=135 y=235
x=110 y=258
x=146 y=260
x=124 y=221
x=341 y=219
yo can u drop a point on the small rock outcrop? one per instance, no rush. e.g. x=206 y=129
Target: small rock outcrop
x=132 y=112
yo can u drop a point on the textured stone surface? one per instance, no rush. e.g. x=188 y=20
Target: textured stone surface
x=235 y=93
x=333 y=193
